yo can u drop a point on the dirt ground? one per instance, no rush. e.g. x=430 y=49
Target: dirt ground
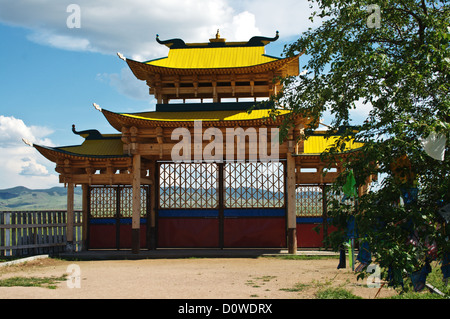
x=187 y=278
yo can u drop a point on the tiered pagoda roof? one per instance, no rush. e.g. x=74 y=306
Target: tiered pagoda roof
x=95 y=147
x=217 y=54
x=215 y=70
x=111 y=147
x=218 y=69
x=222 y=118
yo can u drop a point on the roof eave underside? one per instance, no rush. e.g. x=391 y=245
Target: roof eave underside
x=140 y=70
x=53 y=154
x=118 y=121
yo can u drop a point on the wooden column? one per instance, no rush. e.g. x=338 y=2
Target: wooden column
x=324 y=212
x=85 y=208
x=136 y=214
x=70 y=217
x=154 y=174
x=220 y=167
x=291 y=205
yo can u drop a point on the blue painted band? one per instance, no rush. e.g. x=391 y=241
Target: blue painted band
x=188 y=213
x=278 y=212
x=311 y=220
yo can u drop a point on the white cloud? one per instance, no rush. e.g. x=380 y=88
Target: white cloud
x=126 y=84
x=110 y=26
x=32 y=168
x=20 y=164
x=239 y=27
x=361 y=112
x=130 y=26
x=60 y=41
x=12 y=131
x=243 y=26
x=290 y=17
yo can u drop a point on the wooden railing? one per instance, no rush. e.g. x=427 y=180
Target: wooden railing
x=24 y=233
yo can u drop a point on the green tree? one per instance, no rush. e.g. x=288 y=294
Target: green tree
x=395 y=56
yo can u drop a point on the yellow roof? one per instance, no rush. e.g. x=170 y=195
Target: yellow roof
x=319 y=144
x=208 y=58
x=204 y=115
x=102 y=147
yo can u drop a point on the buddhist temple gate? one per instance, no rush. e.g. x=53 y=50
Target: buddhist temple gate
x=207 y=172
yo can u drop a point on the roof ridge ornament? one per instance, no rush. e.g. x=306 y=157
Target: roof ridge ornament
x=172 y=43
x=120 y=55
x=217 y=39
x=88 y=134
x=97 y=107
x=27 y=142
x=217 y=42
x=262 y=41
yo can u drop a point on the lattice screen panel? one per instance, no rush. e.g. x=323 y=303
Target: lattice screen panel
x=188 y=185
x=340 y=200
x=103 y=202
x=309 y=200
x=126 y=202
x=254 y=185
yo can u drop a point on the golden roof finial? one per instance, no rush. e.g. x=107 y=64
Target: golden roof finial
x=217 y=38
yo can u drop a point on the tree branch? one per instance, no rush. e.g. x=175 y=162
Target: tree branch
x=424 y=7
x=421 y=31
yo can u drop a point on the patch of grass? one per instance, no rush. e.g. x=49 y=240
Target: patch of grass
x=416 y=295
x=335 y=293
x=252 y=283
x=434 y=278
x=266 y=278
x=303 y=257
x=46 y=282
x=297 y=287
x=258 y=281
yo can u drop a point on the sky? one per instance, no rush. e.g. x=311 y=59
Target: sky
x=59 y=57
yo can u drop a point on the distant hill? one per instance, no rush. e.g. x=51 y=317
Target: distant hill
x=22 y=198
